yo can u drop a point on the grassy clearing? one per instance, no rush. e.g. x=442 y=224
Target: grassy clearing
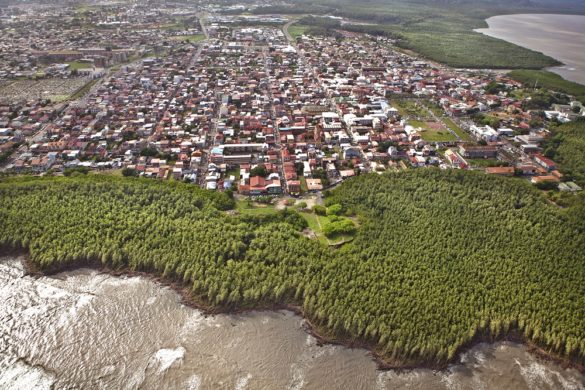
x=432 y=135
x=82 y=91
x=190 y=38
x=245 y=207
x=457 y=130
x=296 y=31
x=485 y=162
x=318 y=222
x=314 y=222
x=409 y=108
x=58 y=98
x=76 y=65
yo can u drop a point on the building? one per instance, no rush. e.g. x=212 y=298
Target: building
x=501 y=171
x=471 y=151
x=544 y=162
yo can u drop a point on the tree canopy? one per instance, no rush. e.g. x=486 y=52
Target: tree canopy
x=440 y=257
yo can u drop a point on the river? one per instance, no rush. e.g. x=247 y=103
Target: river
x=559 y=36
x=88 y=330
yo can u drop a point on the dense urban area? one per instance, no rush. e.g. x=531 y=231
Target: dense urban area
x=208 y=144
x=240 y=103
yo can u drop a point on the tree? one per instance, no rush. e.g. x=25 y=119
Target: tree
x=259 y=170
x=319 y=210
x=129 y=172
x=149 y=152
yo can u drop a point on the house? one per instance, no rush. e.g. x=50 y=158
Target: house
x=294 y=186
x=501 y=171
x=314 y=184
x=471 y=151
x=545 y=178
x=258 y=185
x=545 y=162
x=486 y=133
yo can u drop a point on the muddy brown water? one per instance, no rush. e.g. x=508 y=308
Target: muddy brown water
x=559 y=36
x=88 y=330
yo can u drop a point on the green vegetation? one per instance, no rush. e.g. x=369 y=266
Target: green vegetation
x=83 y=90
x=190 y=38
x=441 y=258
x=468 y=49
x=433 y=135
x=296 y=31
x=566 y=146
x=76 y=65
x=486 y=162
x=463 y=135
x=409 y=108
x=324 y=26
x=443 y=30
x=250 y=208
x=58 y=98
x=291 y=9
x=549 y=80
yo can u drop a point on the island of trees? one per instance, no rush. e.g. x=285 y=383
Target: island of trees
x=440 y=259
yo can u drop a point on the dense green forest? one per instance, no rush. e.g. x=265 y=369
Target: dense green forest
x=443 y=30
x=440 y=258
x=567 y=147
x=551 y=81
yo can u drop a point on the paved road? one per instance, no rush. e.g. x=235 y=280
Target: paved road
x=285 y=30
x=203 y=28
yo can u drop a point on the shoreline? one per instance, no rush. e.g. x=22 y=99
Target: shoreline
x=570 y=65
x=383 y=362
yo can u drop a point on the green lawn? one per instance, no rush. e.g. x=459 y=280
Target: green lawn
x=296 y=31
x=437 y=136
x=76 y=65
x=190 y=38
x=409 y=108
x=245 y=208
x=82 y=91
x=485 y=162
x=58 y=98
x=432 y=135
x=316 y=224
x=457 y=130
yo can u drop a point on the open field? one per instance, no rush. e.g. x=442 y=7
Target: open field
x=436 y=135
x=296 y=31
x=244 y=207
x=76 y=65
x=456 y=129
x=485 y=162
x=190 y=38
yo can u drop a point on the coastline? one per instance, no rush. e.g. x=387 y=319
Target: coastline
x=383 y=361
x=531 y=31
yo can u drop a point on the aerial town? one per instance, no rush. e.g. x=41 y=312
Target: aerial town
x=292 y=194
x=238 y=103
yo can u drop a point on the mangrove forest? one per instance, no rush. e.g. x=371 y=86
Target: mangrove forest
x=440 y=259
